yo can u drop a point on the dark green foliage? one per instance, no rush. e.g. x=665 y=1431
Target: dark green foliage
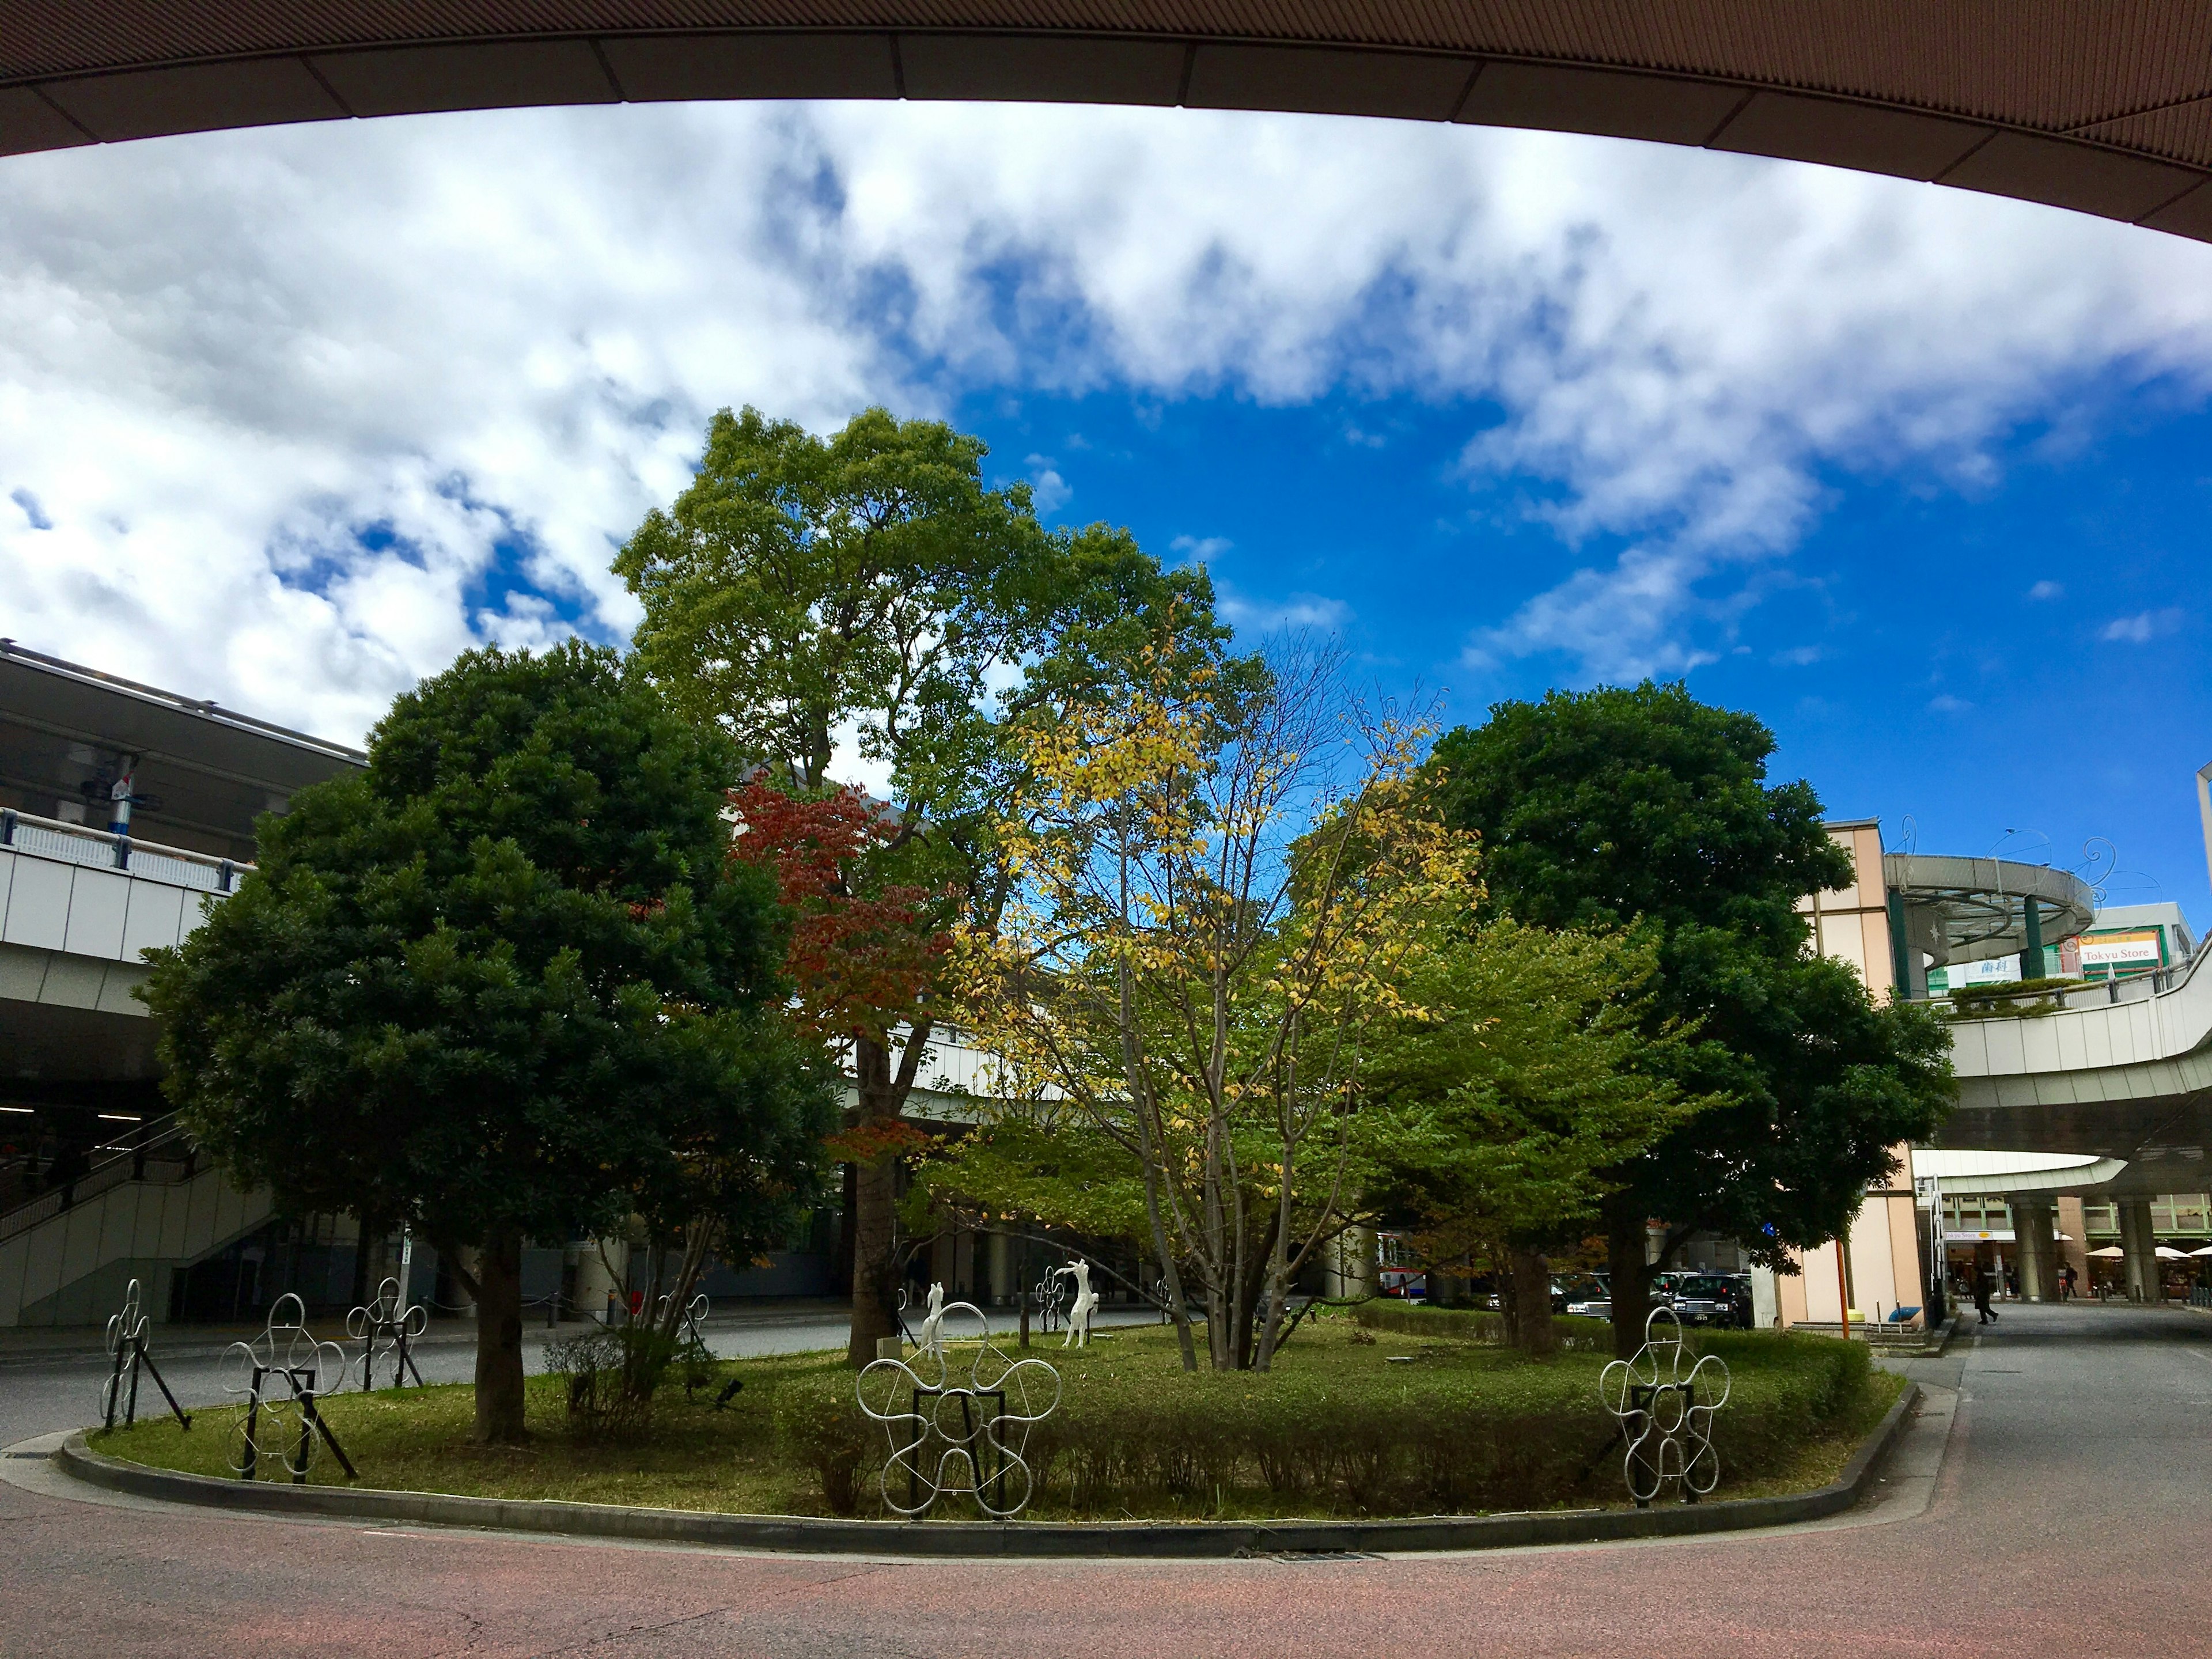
x=1642 y=807
x=505 y=984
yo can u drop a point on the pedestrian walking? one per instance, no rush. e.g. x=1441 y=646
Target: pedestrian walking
x=1985 y=1285
x=2066 y=1281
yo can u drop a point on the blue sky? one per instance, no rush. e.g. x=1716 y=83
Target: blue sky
x=2014 y=664
x=287 y=419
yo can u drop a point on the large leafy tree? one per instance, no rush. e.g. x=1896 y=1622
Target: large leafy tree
x=1520 y=1077
x=1642 y=807
x=504 y=983
x=867 y=595
x=1220 y=908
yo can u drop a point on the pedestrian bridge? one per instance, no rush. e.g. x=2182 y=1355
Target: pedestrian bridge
x=2122 y=1070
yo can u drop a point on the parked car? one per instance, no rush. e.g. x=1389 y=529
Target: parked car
x=1586 y=1296
x=1710 y=1299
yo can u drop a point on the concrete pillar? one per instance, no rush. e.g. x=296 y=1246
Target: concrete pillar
x=2140 y=1242
x=2035 y=1230
x=1001 y=1286
x=1352 y=1270
x=594 y=1281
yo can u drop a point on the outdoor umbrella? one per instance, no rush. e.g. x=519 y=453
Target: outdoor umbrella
x=2111 y=1253
x=2167 y=1253
x=2206 y=1250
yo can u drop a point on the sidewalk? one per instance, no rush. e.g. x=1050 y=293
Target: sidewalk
x=32 y=1344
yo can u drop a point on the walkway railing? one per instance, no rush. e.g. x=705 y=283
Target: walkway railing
x=77 y=844
x=158 y=1150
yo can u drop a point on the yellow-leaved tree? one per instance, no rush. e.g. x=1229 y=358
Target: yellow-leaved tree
x=1225 y=883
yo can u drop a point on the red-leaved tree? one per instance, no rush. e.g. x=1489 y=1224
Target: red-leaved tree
x=865 y=957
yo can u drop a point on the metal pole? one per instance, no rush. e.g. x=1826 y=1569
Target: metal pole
x=2205 y=811
x=1843 y=1293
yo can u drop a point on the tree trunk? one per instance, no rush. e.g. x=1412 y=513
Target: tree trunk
x=368 y=1248
x=499 y=1339
x=875 y=1293
x=1630 y=1273
x=1534 y=1334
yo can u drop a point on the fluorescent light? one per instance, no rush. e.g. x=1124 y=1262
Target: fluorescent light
x=118 y=1117
x=26 y=1110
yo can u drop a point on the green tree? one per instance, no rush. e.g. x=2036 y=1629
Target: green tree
x=1522 y=1076
x=1642 y=806
x=504 y=983
x=866 y=590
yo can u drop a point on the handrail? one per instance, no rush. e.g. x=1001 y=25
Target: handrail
x=124 y=1164
x=79 y=843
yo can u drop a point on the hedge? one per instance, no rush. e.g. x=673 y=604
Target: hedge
x=1339 y=1428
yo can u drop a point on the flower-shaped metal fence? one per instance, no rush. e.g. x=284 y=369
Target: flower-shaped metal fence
x=1669 y=1429
x=958 y=1420
x=387 y=1328
x=280 y=1375
x=129 y=1355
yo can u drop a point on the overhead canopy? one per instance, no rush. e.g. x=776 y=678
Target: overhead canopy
x=1972 y=909
x=2106 y=109
x=205 y=772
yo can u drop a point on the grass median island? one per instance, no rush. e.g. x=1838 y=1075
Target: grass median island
x=1369 y=1418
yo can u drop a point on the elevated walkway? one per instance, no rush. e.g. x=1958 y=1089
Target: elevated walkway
x=2121 y=1069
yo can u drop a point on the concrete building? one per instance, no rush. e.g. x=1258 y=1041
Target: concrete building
x=126 y=813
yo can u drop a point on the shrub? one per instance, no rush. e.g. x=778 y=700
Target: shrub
x=1476 y=1325
x=1455 y=1427
x=611 y=1376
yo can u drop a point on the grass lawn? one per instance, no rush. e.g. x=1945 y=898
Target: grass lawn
x=1353 y=1421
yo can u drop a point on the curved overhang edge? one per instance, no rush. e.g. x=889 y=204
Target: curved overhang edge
x=1738 y=114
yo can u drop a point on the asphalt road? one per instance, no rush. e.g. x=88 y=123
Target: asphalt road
x=2068 y=1518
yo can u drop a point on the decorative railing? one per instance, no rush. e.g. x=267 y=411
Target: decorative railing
x=77 y=844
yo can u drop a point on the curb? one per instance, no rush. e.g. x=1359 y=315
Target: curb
x=941 y=1540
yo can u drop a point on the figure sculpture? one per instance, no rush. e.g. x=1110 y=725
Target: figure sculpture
x=1669 y=1431
x=126 y=1348
x=1085 y=1304
x=952 y=1434
x=281 y=1374
x=931 y=1341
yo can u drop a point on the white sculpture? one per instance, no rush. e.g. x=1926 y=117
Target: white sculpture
x=933 y=1327
x=1080 y=1309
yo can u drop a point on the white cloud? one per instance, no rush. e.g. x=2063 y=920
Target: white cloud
x=490 y=341
x=1047 y=490
x=2046 y=590
x=1945 y=703
x=1298 y=611
x=1200 y=549
x=2140 y=628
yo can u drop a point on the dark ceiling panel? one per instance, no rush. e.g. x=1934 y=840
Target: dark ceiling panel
x=1323 y=83
x=1032 y=68
x=1881 y=85
x=1840 y=135
x=660 y=67
x=2070 y=175
x=28 y=123
x=1561 y=100
x=504 y=75
x=198 y=98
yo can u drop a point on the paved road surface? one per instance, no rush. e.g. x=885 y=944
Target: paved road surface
x=2069 y=1518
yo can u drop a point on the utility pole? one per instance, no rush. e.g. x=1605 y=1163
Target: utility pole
x=2204 y=812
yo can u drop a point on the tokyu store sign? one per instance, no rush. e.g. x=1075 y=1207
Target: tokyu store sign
x=2133 y=947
